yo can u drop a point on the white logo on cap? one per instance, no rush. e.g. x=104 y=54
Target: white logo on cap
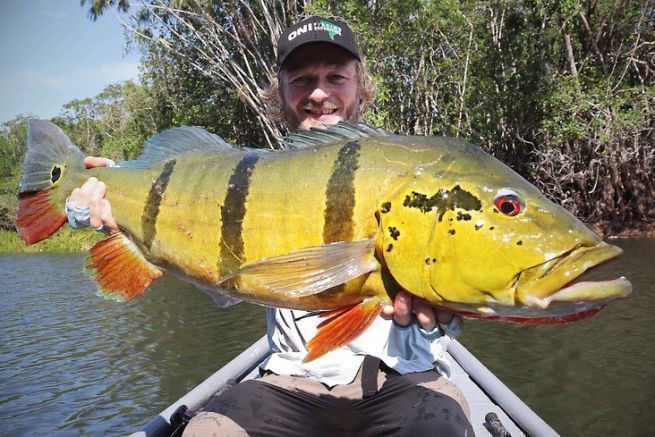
x=326 y=26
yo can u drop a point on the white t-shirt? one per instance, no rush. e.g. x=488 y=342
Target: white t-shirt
x=404 y=349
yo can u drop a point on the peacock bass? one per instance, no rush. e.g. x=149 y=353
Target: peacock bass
x=340 y=222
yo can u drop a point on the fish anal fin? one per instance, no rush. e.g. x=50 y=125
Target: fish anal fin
x=37 y=218
x=343 y=325
x=119 y=267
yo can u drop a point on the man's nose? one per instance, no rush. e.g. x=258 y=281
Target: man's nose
x=319 y=93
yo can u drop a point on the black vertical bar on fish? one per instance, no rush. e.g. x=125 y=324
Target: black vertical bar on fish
x=151 y=209
x=338 y=222
x=233 y=212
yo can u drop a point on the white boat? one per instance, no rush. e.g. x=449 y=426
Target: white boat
x=484 y=392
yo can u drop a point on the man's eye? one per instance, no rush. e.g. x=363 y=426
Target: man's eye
x=300 y=80
x=337 y=77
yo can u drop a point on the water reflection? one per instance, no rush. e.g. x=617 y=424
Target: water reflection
x=74 y=363
x=594 y=377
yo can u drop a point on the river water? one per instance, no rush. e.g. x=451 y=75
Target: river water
x=72 y=363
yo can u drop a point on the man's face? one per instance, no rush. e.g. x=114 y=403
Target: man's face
x=318 y=86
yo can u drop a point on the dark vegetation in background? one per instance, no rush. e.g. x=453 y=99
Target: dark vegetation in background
x=561 y=91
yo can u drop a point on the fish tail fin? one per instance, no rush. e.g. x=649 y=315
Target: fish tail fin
x=343 y=325
x=50 y=157
x=119 y=267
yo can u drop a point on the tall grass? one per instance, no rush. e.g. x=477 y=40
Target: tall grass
x=64 y=240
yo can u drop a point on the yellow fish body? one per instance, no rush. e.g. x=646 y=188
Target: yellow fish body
x=340 y=222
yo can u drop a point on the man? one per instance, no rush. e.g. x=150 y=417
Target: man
x=382 y=383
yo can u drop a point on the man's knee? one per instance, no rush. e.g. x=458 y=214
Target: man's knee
x=208 y=423
x=438 y=413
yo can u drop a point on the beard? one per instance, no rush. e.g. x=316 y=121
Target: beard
x=294 y=123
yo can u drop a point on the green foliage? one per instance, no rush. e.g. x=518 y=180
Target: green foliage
x=113 y=124
x=64 y=240
x=561 y=91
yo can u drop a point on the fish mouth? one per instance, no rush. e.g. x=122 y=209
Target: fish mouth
x=551 y=292
x=554 y=287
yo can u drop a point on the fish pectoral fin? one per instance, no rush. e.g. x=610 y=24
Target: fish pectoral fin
x=311 y=270
x=120 y=269
x=343 y=325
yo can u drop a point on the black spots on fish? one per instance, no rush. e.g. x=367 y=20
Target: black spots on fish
x=429 y=261
x=340 y=195
x=389 y=247
x=394 y=233
x=462 y=216
x=492 y=228
x=478 y=226
x=420 y=201
x=443 y=201
x=55 y=174
x=495 y=211
x=519 y=243
x=451 y=232
x=233 y=212
x=386 y=207
x=151 y=209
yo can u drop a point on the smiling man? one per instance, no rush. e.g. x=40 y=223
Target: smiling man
x=383 y=383
x=392 y=380
x=321 y=77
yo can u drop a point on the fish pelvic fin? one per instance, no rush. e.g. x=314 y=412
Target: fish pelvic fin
x=310 y=270
x=50 y=157
x=120 y=269
x=343 y=325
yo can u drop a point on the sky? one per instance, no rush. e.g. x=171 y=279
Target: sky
x=51 y=53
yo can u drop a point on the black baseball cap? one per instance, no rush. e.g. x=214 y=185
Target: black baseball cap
x=315 y=29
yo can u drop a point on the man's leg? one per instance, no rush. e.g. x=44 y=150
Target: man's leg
x=416 y=404
x=272 y=405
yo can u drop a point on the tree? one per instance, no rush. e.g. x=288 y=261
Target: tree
x=561 y=91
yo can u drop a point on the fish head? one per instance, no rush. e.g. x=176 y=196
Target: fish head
x=490 y=245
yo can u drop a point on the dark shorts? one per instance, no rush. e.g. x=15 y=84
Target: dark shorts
x=417 y=404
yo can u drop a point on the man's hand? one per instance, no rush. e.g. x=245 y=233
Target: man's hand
x=427 y=316
x=91 y=194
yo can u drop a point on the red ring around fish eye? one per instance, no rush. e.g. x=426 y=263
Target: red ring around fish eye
x=508 y=203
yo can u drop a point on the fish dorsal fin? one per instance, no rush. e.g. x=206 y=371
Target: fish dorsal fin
x=177 y=141
x=310 y=270
x=338 y=132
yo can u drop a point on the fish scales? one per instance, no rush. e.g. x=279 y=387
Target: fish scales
x=341 y=223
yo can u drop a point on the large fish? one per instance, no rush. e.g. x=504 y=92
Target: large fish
x=340 y=222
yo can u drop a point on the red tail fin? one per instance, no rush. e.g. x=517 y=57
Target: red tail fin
x=37 y=218
x=343 y=325
x=50 y=157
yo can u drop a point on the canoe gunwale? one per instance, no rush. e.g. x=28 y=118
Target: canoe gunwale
x=245 y=366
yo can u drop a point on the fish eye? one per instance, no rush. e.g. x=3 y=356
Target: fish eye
x=508 y=202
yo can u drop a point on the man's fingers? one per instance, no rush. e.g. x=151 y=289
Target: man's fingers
x=95 y=204
x=387 y=312
x=80 y=196
x=107 y=218
x=402 y=306
x=425 y=315
x=94 y=161
x=444 y=317
x=88 y=187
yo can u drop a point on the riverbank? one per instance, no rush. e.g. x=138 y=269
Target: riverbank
x=628 y=230
x=66 y=240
